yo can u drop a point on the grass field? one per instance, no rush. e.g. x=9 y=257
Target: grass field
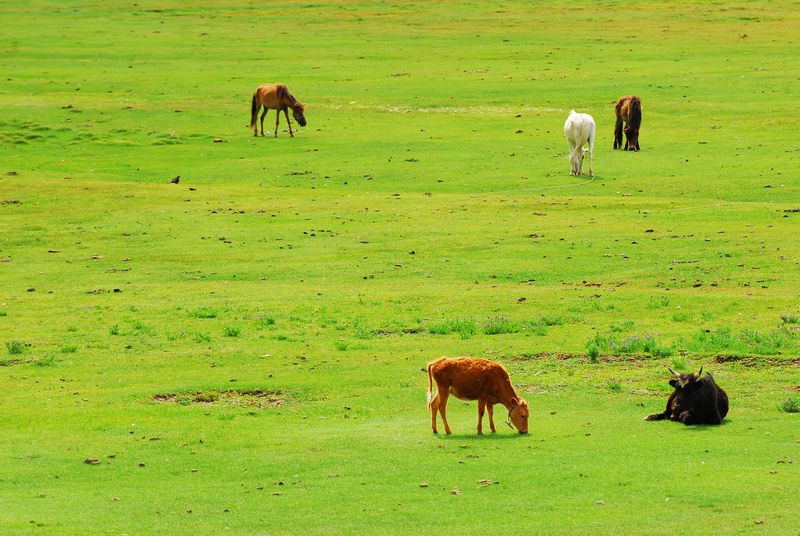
x=241 y=352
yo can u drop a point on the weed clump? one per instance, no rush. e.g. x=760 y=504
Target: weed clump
x=499 y=325
x=204 y=312
x=744 y=341
x=633 y=344
x=14 y=347
x=231 y=331
x=466 y=328
x=790 y=318
x=791 y=404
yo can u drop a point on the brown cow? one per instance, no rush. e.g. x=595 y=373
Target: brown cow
x=478 y=379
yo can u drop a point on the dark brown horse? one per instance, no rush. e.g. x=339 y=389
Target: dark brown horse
x=629 y=110
x=275 y=97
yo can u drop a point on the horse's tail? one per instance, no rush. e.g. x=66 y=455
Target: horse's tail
x=636 y=112
x=254 y=110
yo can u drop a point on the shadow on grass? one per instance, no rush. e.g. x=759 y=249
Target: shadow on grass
x=476 y=437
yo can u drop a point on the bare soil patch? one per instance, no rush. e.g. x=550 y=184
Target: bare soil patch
x=246 y=398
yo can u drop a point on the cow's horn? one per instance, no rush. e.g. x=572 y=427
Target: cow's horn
x=674 y=373
x=701 y=372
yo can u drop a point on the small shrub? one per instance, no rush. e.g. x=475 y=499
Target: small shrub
x=70 y=349
x=790 y=318
x=201 y=338
x=464 y=327
x=678 y=363
x=204 y=312
x=658 y=302
x=280 y=337
x=707 y=315
x=72 y=329
x=593 y=351
x=341 y=346
x=14 y=347
x=745 y=341
x=264 y=320
x=614 y=386
x=537 y=328
x=791 y=404
x=140 y=328
x=46 y=361
x=3 y=313
x=632 y=344
x=625 y=325
x=681 y=316
x=114 y=330
x=231 y=331
x=499 y=325
x=552 y=320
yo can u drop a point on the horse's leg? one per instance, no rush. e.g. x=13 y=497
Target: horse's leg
x=263 y=115
x=254 y=119
x=288 y=122
x=277 y=120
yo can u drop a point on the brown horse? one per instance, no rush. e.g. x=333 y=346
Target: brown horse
x=275 y=97
x=629 y=110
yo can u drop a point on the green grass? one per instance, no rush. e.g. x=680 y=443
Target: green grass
x=425 y=210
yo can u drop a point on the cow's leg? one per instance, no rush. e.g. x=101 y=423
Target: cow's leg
x=263 y=115
x=443 y=394
x=490 y=408
x=288 y=122
x=434 y=409
x=667 y=412
x=481 y=408
x=277 y=120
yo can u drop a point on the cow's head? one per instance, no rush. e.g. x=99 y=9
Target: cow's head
x=686 y=382
x=688 y=389
x=519 y=414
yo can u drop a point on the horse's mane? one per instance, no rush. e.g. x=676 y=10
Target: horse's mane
x=284 y=91
x=636 y=112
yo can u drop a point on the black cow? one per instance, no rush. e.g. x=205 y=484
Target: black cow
x=695 y=400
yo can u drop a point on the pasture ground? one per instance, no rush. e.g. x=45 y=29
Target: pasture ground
x=241 y=352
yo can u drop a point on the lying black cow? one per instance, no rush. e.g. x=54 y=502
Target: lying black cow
x=695 y=400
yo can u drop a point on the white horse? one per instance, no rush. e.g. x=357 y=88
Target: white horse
x=579 y=130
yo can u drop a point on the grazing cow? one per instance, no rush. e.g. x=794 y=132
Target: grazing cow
x=579 y=130
x=478 y=379
x=695 y=400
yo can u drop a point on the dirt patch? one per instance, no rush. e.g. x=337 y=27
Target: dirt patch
x=246 y=398
x=756 y=361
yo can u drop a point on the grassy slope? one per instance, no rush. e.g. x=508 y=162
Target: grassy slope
x=412 y=145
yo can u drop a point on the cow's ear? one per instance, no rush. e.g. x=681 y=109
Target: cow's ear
x=673 y=383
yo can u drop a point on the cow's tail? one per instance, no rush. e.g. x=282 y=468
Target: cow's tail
x=254 y=110
x=430 y=385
